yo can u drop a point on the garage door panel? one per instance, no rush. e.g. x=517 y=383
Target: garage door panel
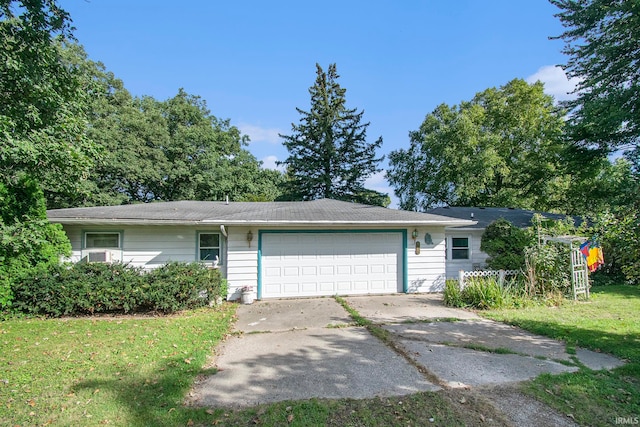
x=291 y=271
x=330 y=263
x=378 y=284
x=310 y=288
x=291 y=288
x=344 y=286
x=378 y=269
x=327 y=270
x=361 y=285
x=344 y=269
x=273 y=272
x=360 y=269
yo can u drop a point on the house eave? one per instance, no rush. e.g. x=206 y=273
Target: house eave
x=288 y=223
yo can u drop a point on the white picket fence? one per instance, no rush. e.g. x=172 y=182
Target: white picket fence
x=499 y=275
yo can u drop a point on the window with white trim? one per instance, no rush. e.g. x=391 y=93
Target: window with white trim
x=102 y=240
x=209 y=247
x=459 y=248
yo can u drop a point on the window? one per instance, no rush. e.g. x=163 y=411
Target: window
x=209 y=247
x=102 y=240
x=459 y=248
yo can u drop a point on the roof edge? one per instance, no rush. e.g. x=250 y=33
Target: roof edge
x=115 y=221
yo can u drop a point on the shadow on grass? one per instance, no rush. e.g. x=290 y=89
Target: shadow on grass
x=156 y=400
x=627 y=291
x=624 y=346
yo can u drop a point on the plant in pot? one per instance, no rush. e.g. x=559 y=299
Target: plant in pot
x=246 y=294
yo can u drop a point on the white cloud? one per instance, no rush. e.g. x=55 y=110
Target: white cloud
x=376 y=181
x=259 y=134
x=555 y=82
x=269 y=162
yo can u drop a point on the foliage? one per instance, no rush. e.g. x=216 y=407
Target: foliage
x=548 y=269
x=618 y=231
x=88 y=288
x=27 y=239
x=602 y=40
x=607 y=184
x=483 y=293
x=329 y=156
x=487 y=293
x=502 y=148
x=42 y=101
x=505 y=244
x=161 y=150
x=451 y=294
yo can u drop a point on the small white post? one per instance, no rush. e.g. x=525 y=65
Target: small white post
x=461 y=279
x=501 y=275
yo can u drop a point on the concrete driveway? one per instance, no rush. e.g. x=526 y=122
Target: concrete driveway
x=298 y=349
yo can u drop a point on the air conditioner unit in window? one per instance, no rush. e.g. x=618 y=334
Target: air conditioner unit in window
x=101 y=256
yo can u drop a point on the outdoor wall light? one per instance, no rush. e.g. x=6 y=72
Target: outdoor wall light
x=249 y=237
x=414 y=234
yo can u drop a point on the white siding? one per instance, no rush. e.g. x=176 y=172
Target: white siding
x=426 y=270
x=148 y=247
x=151 y=246
x=476 y=259
x=242 y=266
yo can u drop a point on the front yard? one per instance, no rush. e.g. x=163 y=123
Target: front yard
x=608 y=322
x=136 y=371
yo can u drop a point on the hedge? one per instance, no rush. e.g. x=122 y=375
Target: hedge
x=88 y=288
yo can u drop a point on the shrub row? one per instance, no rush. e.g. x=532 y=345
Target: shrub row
x=87 y=288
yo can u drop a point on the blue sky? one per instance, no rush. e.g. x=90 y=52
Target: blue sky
x=254 y=61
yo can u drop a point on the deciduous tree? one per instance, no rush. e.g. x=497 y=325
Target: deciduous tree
x=42 y=101
x=502 y=148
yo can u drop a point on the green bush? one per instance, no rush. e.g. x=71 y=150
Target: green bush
x=548 y=269
x=27 y=240
x=486 y=293
x=505 y=244
x=87 y=288
x=483 y=293
x=452 y=297
x=176 y=286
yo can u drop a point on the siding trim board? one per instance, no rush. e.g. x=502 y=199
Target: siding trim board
x=403 y=253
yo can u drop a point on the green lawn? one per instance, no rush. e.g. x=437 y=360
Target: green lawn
x=609 y=322
x=136 y=371
x=106 y=371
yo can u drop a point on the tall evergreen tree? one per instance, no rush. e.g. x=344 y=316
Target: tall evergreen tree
x=602 y=40
x=329 y=156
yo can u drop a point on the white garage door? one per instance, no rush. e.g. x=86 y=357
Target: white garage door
x=311 y=264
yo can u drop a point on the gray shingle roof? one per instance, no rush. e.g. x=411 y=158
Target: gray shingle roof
x=484 y=216
x=323 y=211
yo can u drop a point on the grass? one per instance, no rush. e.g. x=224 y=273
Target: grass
x=609 y=322
x=106 y=371
x=137 y=371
